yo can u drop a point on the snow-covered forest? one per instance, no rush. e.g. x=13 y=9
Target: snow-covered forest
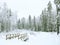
x=42 y=29
x=8 y=18
x=46 y=21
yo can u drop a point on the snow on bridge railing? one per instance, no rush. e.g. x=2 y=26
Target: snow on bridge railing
x=23 y=36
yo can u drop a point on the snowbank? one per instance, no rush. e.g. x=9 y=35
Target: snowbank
x=35 y=38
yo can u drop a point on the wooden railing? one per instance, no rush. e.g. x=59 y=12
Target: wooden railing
x=18 y=35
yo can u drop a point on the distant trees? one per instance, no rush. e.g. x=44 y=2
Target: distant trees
x=48 y=19
x=45 y=22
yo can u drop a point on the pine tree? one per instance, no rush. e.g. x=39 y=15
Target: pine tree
x=50 y=16
x=23 y=22
x=34 y=21
x=39 y=24
x=57 y=2
x=8 y=23
x=44 y=20
x=30 y=23
x=18 y=24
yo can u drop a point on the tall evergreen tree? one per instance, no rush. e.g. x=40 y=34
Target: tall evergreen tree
x=50 y=16
x=57 y=2
x=34 y=21
x=23 y=22
x=44 y=20
x=18 y=24
x=30 y=23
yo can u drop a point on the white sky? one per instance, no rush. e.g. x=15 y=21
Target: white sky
x=26 y=7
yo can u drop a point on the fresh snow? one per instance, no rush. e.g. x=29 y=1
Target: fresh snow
x=35 y=38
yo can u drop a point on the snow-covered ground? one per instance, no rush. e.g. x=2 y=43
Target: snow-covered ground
x=35 y=38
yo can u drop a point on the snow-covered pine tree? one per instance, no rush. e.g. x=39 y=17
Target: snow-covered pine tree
x=50 y=25
x=18 y=24
x=57 y=3
x=30 y=23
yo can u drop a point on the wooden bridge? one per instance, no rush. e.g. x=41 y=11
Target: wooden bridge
x=23 y=37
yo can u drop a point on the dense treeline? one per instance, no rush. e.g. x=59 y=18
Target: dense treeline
x=7 y=18
x=45 y=22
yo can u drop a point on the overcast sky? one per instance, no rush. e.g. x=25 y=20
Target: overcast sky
x=25 y=8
